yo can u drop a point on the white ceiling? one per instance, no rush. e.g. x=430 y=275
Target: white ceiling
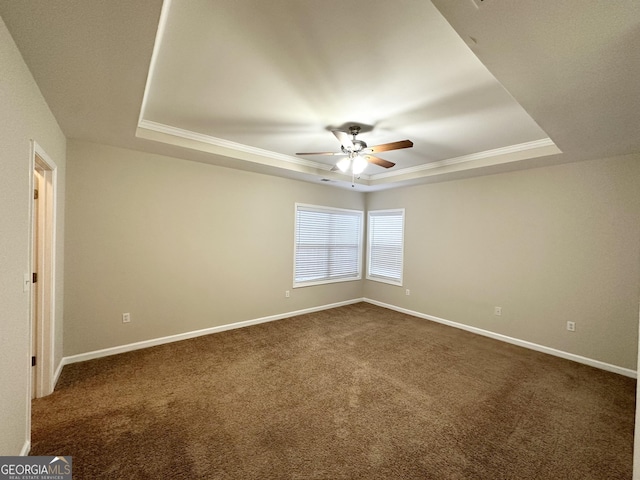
x=247 y=84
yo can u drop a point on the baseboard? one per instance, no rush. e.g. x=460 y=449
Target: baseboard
x=56 y=375
x=26 y=448
x=196 y=333
x=207 y=331
x=515 y=341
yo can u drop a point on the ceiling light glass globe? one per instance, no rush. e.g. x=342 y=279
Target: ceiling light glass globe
x=359 y=164
x=343 y=164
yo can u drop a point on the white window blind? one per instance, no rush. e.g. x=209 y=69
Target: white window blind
x=328 y=245
x=385 y=244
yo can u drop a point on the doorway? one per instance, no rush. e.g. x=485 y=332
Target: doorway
x=43 y=272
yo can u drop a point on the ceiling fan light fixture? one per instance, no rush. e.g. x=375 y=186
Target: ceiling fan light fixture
x=358 y=153
x=359 y=164
x=344 y=164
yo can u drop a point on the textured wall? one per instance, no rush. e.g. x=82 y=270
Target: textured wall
x=548 y=245
x=185 y=246
x=181 y=246
x=24 y=116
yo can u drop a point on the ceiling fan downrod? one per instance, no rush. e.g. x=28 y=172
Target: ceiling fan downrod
x=357 y=145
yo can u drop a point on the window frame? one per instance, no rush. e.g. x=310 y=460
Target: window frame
x=380 y=278
x=360 y=241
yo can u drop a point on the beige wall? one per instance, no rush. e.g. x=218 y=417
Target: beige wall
x=184 y=246
x=548 y=245
x=24 y=116
x=180 y=245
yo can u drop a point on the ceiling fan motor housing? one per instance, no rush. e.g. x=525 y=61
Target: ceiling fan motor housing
x=358 y=145
x=358 y=152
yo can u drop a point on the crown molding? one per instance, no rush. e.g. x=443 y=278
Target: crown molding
x=162 y=23
x=227 y=144
x=475 y=157
x=189 y=139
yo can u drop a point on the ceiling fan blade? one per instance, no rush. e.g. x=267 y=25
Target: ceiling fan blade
x=320 y=153
x=379 y=161
x=343 y=138
x=385 y=147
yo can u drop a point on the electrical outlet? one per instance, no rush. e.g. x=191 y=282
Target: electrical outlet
x=497 y=311
x=126 y=317
x=287 y=294
x=407 y=292
x=571 y=326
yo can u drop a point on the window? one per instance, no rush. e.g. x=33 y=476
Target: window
x=385 y=244
x=328 y=245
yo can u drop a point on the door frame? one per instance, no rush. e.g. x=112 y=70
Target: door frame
x=44 y=327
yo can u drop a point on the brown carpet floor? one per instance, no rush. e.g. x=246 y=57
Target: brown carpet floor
x=357 y=392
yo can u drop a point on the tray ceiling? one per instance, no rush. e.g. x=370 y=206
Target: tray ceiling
x=272 y=79
x=478 y=87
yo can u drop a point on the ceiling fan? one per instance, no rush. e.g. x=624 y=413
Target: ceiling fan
x=358 y=153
